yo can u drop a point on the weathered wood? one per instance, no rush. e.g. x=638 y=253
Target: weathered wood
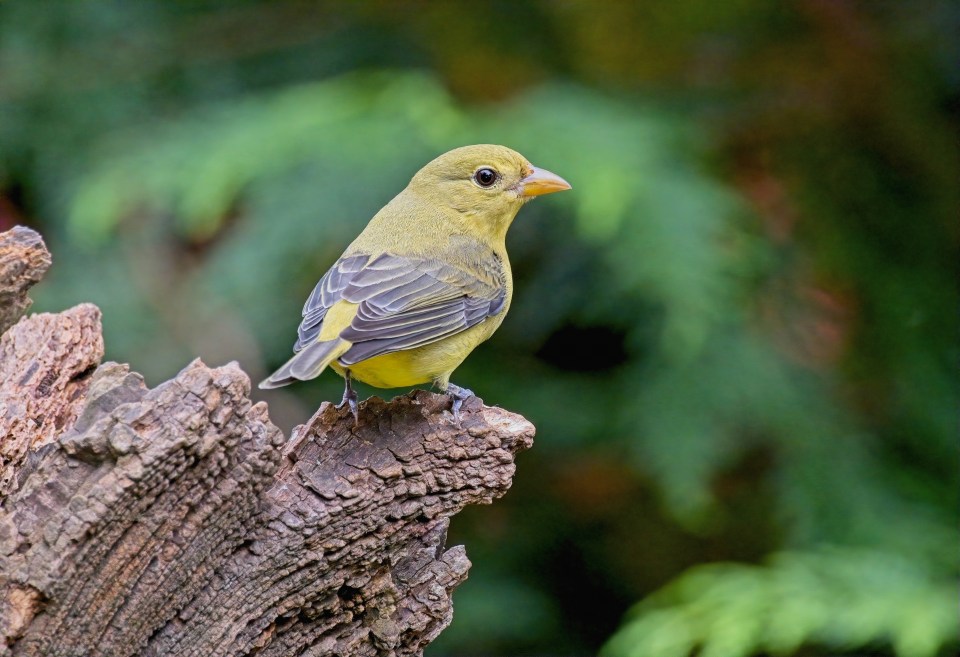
x=179 y=520
x=45 y=363
x=24 y=260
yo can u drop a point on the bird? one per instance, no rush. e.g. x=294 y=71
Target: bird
x=425 y=282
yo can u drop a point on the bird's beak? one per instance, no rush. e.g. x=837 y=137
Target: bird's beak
x=540 y=181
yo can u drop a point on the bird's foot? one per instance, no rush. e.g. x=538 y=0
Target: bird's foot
x=350 y=399
x=459 y=395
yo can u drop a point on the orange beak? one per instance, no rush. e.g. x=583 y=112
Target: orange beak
x=540 y=182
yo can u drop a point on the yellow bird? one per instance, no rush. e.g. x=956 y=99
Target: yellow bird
x=426 y=281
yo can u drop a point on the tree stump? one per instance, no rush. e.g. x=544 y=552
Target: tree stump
x=179 y=520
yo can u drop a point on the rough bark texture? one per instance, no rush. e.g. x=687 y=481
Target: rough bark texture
x=45 y=363
x=24 y=260
x=180 y=521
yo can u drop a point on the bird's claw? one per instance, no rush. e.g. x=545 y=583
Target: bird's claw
x=350 y=399
x=459 y=395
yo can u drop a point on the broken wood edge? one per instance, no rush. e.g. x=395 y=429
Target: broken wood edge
x=24 y=260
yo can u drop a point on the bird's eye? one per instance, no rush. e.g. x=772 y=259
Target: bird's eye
x=485 y=177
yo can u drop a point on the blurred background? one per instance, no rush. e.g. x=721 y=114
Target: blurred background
x=737 y=335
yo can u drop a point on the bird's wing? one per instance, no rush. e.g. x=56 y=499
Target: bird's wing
x=327 y=292
x=402 y=303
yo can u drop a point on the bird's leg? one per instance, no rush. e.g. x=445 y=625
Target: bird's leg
x=350 y=398
x=459 y=396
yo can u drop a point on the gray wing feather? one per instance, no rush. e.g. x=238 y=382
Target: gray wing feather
x=405 y=312
x=403 y=303
x=326 y=293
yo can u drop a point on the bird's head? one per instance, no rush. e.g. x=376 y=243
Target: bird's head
x=485 y=185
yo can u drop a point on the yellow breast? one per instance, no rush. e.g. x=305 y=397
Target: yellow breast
x=430 y=363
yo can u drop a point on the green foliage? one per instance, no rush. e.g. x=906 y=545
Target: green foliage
x=732 y=334
x=841 y=600
x=196 y=169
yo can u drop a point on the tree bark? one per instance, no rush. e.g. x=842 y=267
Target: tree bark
x=179 y=520
x=24 y=260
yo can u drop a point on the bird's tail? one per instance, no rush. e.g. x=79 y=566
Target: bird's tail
x=307 y=363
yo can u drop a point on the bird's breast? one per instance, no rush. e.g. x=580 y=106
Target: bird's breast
x=427 y=364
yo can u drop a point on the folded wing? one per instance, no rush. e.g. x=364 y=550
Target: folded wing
x=402 y=303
